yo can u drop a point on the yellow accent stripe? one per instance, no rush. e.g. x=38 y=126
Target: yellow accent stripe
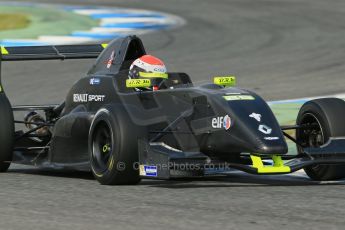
x=278 y=165
x=97 y=174
x=104 y=45
x=111 y=164
x=4 y=51
x=153 y=75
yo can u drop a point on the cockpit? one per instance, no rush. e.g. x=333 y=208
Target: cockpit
x=116 y=59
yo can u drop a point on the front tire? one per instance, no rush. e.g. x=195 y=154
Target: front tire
x=113 y=147
x=6 y=133
x=327 y=117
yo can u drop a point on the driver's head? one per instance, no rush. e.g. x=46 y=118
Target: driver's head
x=149 y=67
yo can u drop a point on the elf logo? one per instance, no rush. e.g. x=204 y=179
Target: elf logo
x=221 y=122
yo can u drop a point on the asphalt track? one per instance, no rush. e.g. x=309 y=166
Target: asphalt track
x=281 y=49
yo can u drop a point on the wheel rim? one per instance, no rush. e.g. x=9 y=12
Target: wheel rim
x=312 y=137
x=102 y=147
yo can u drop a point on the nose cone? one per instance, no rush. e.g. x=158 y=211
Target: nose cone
x=255 y=128
x=274 y=144
x=258 y=137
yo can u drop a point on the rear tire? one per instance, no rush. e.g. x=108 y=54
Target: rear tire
x=328 y=116
x=6 y=133
x=113 y=147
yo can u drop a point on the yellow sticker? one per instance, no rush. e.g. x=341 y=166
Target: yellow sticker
x=138 y=83
x=4 y=51
x=104 y=45
x=225 y=80
x=142 y=170
x=153 y=75
x=239 y=97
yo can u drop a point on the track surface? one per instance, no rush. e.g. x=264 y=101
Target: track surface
x=281 y=49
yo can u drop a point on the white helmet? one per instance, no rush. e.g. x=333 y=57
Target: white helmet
x=149 y=67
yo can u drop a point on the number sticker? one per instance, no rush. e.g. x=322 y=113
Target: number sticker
x=137 y=83
x=239 y=97
x=225 y=81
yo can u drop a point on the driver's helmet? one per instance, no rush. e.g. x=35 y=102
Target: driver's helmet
x=149 y=67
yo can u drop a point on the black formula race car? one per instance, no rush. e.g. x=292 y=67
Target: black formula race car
x=121 y=133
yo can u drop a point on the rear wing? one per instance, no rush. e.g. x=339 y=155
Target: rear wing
x=61 y=52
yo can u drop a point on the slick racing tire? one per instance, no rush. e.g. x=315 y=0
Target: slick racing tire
x=113 y=146
x=6 y=133
x=327 y=117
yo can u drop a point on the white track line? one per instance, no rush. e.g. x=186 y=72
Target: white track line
x=135 y=19
x=339 y=95
x=113 y=22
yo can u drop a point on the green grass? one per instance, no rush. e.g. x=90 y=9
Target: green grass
x=51 y=21
x=12 y=21
x=286 y=115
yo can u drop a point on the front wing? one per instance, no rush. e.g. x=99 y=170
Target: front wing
x=159 y=161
